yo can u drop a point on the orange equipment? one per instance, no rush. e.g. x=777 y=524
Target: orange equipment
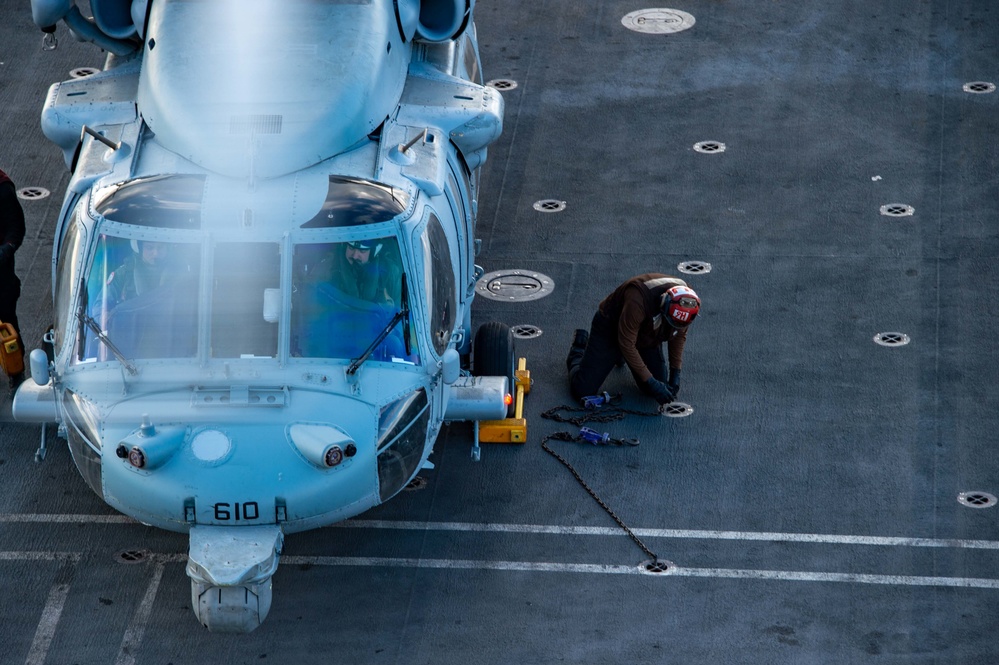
x=11 y=351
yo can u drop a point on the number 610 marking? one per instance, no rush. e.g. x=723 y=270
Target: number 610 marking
x=237 y=511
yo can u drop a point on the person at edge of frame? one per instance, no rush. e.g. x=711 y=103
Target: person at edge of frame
x=11 y=236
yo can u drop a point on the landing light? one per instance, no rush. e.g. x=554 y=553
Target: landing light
x=148 y=448
x=136 y=458
x=508 y=399
x=333 y=456
x=323 y=445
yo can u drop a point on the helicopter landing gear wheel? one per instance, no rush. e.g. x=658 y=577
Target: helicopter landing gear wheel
x=494 y=355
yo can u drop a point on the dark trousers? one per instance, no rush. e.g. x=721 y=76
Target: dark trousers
x=589 y=366
x=9 y=293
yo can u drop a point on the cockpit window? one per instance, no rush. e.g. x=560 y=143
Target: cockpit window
x=144 y=295
x=440 y=284
x=68 y=275
x=351 y=202
x=343 y=295
x=244 y=322
x=166 y=202
x=471 y=60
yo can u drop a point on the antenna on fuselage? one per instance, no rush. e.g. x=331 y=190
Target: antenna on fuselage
x=404 y=147
x=100 y=137
x=398 y=153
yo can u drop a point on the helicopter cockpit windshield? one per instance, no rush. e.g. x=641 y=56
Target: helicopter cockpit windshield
x=344 y=295
x=144 y=288
x=144 y=295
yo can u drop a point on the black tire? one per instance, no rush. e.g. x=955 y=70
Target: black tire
x=494 y=355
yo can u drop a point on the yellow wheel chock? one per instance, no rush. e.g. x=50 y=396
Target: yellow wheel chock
x=508 y=430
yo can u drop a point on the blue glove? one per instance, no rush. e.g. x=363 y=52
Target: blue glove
x=674 y=381
x=660 y=391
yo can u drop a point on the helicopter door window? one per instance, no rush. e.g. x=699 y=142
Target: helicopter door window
x=471 y=61
x=67 y=276
x=144 y=295
x=441 y=286
x=243 y=273
x=344 y=294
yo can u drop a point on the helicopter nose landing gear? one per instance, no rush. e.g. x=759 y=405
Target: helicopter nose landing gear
x=230 y=570
x=231 y=609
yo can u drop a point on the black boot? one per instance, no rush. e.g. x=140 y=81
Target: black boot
x=576 y=351
x=14 y=381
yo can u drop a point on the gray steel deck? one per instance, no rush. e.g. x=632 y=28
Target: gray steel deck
x=809 y=502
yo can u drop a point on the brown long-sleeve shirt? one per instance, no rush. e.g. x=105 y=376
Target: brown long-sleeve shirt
x=11 y=228
x=634 y=308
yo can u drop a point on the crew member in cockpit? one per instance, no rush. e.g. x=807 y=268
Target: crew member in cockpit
x=144 y=270
x=365 y=269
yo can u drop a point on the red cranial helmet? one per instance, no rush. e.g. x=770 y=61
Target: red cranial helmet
x=680 y=306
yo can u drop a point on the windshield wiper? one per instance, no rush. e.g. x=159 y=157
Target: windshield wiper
x=87 y=320
x=401 y=315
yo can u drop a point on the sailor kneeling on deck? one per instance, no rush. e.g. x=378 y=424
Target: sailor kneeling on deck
x=631 y=324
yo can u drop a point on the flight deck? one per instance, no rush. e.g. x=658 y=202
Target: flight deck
x=823 y=174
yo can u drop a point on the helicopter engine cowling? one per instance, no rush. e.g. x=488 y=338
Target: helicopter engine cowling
x=441 y=20
x=114 y=17
x=432 y=21
x=113 y=26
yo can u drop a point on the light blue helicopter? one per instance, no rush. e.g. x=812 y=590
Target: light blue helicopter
x=264 y=267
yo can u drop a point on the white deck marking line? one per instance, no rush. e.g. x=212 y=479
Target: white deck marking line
x=73 y=557
x=463 y=564
x=693 y=534
x=884 y=541
x=718 y=573
x=853 y=578
x=47 y=624
x=132 y=640
x=66 y=519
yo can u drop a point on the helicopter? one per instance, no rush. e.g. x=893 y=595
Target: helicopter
x=264 y=267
